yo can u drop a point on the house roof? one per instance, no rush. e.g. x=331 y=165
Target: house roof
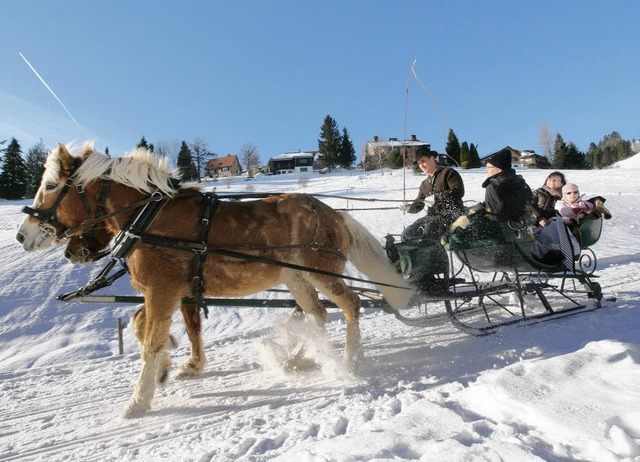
x=394 y=143
x=293 y=155
x=222 y=162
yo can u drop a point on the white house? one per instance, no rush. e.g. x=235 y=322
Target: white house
x=292 y=162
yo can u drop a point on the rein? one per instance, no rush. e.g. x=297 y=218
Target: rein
x=90 y=223
x=328 y=196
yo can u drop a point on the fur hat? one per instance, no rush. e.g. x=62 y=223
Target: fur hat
x=500 y=159
x=424 y=150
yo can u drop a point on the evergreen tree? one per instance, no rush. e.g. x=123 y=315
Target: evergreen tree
x=453 y=147
x=396 y=159
x=614 y=148
x=347 y=154
x=474 y=157
x=560 y=153
x=34 y=168
x=575 y=158
x=464 y=155
x=185 y=163
x=330 y=141
x=568 y=156
x=594 y=156
x=143 y=144
x=13 y=179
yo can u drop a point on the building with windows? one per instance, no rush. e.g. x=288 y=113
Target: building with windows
x=379 y=153
x=228 y=165
x=525 y=159
x=292 y=162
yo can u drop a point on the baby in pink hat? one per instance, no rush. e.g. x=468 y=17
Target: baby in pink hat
x=572 y=208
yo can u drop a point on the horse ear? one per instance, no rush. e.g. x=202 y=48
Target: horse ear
x=86 y=152
x=66 y=159
x=62 y=149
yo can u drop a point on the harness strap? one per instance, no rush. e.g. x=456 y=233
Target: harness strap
x=207 y=209
x=129 y=236
x=198 y=247
x=100 y=281
x=155 y=197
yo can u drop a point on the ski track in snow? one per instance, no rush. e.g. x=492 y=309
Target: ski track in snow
x=564 y=390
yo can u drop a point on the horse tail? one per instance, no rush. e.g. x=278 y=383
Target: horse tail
x=369 y=258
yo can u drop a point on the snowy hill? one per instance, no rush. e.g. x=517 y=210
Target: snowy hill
x=565 y=390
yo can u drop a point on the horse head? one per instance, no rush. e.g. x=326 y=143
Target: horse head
x=61 y=202
x=88 y=247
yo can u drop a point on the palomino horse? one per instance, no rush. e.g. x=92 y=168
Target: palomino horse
x=86 y=248
x=310 y=240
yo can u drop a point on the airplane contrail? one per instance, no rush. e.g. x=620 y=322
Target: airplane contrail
x=50 y=90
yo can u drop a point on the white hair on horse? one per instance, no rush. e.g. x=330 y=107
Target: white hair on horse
x=140 y=169
x=52 y=165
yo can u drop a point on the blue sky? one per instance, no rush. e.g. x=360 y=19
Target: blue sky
x=268 y=72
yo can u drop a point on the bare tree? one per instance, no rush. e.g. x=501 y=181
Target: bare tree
x=200 y=155
x=545 y=142
x=169 y=149
x=249 y=156
x=378 y=154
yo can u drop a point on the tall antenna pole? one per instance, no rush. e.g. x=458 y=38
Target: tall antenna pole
x=404 y=144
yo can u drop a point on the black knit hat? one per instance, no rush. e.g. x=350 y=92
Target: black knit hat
x=500 y=159
x=424 y=150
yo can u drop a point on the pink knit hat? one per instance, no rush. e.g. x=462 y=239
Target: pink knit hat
x=570 y=186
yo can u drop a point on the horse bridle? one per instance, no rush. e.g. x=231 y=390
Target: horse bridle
x=48 y=216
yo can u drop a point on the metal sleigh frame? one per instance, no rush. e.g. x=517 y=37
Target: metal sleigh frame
x=504 y=285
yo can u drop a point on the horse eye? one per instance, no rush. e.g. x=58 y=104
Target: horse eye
x=50 y=186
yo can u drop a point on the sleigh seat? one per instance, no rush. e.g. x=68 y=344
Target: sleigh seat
x=496 y=247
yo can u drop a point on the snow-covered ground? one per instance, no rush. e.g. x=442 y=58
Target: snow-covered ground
x=564 y=390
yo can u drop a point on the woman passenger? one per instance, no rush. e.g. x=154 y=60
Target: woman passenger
x=545 y=197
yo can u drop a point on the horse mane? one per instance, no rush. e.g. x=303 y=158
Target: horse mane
x=140 y=169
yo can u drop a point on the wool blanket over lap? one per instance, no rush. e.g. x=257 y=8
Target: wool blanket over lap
x=556 y=243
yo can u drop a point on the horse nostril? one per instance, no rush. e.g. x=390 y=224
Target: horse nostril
x=20 y=238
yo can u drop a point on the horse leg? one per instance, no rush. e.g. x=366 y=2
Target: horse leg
x=349 y=302
x=306 y=296
x=157 y=313
x=193 y=323
x=164 y=360
x=308 y=302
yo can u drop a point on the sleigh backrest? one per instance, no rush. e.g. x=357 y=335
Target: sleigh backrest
x=508 y=247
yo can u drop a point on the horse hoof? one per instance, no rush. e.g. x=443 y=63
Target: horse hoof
x=135 y=409
x=188 y=372
x=300 y=364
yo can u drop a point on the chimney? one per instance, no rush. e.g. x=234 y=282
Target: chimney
x=375 y=138
x=413 y=138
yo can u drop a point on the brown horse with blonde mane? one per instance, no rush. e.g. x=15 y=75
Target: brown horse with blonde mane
x=312 y=242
